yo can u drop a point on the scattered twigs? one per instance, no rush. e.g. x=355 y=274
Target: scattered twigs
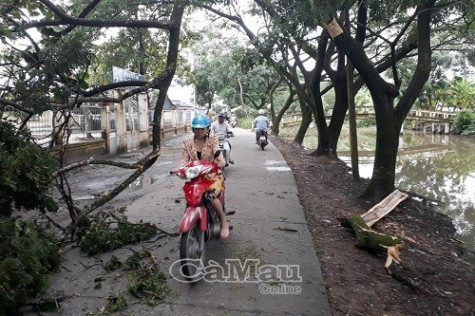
x=151 y=256
x=286 y=229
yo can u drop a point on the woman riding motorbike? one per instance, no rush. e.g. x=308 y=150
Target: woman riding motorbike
x=202 y=146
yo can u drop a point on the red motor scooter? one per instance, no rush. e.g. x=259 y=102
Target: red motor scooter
x=200 y=223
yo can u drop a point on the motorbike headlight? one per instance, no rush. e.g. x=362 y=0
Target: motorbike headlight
x=192 y=172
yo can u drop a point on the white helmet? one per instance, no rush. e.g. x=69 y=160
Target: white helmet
x=261 y=112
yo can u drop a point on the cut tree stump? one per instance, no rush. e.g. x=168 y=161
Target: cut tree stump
x=384 y=207
x=367 y=238
x=371 y=240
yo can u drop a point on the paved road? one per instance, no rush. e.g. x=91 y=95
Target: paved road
x=269 y=227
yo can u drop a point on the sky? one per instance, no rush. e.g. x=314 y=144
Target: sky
x=198 y=21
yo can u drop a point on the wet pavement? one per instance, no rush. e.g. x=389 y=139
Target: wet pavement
x=269 y=233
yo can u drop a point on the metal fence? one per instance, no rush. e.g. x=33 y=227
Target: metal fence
x=172 y=118
x=86 y=123
x=83 y=124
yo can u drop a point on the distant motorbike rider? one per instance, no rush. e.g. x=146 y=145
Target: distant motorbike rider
x=260 y=124
x=221 y=129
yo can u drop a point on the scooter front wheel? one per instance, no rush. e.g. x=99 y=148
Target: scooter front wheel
x=192 y=253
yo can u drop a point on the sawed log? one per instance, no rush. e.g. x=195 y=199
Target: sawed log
x=371 y=240
x=376 y=242
x=384 y=207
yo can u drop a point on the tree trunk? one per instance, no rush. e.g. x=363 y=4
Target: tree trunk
x=306 y=120
x=271 y=101
x=276 y=120
x=388 y=119
x=324 y=137
x=172 y=59
x=382 y=181
x=352 y=121
x=339 y=110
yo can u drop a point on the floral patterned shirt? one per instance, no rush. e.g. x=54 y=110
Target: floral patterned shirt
x=207 y=153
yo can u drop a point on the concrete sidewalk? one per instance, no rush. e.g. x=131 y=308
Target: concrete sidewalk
x=269 y=226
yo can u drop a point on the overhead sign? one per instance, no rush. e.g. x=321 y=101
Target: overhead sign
x=120 y=74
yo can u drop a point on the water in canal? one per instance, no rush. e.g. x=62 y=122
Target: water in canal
x=439 y=167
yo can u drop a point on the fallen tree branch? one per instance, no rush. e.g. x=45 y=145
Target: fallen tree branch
x=51 y=221
x=92 y=161
x=367 y=238
x=144 y=224
x=142 y=166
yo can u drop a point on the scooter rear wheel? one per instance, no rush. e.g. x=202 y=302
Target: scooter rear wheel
x=192 y=259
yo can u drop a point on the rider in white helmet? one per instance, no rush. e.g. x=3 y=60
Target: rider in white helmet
x=261 y=123
x=222 y=130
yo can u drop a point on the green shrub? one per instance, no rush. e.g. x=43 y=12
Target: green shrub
x=464 y=122
x=245 y=122
x=27 y=255
x=469 y=130
x=365 y=123
x=25 y=172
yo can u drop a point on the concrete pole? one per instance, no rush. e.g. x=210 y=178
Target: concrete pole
x=58 y=119
x=144 y=138
x=121 y=127
x=106 y=126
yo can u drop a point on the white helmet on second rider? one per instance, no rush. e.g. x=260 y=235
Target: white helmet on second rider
x=261 y=112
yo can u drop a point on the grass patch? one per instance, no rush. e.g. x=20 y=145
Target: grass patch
x=245 y=122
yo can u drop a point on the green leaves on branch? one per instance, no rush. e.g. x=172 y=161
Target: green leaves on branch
x=108 y=231
x=27 y=255
x=149 y=283
x=26 y=172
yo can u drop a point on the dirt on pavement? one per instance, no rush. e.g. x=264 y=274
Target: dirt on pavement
x=439 y=268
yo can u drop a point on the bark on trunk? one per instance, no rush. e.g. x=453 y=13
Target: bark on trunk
x=324 y=137
x=367 y=238
x=306 y=120
x=278 y=117
x=172 y=59
x=339 y=110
